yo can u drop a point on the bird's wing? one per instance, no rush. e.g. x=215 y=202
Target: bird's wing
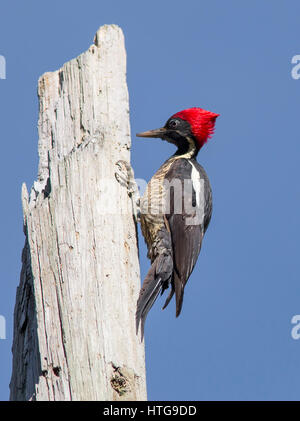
x=186 y=227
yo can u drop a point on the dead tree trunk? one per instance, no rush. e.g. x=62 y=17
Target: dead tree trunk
x=74 y=323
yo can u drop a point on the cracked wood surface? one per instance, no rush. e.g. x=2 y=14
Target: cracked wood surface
x=74 y=322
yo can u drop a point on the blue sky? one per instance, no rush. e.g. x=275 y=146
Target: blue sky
x=233 y=339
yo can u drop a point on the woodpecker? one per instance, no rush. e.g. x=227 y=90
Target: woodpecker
x=175 y=209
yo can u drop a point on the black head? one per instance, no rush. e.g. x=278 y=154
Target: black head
x=176 y=131
x=188 y=129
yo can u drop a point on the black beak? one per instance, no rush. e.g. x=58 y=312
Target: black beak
x=153 y=133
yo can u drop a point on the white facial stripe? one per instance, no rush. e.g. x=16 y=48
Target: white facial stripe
x=191 y=151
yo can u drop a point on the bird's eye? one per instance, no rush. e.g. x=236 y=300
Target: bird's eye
x=173 y=123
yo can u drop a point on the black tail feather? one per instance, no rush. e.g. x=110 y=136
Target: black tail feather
x=147 y=307
x=169 y=297
x=148 y=294
x=179 y=291
x=157 y=279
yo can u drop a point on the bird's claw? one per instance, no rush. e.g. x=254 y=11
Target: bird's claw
x=125 y=176
x=121 y=173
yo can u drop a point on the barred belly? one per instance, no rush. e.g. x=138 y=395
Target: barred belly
x=153 y=206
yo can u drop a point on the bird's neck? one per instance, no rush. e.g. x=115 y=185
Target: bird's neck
x=186 y=149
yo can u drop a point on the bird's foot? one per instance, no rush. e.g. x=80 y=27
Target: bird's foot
x=125 y=176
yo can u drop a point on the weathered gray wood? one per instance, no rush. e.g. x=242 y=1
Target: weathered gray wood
x=74 y=328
